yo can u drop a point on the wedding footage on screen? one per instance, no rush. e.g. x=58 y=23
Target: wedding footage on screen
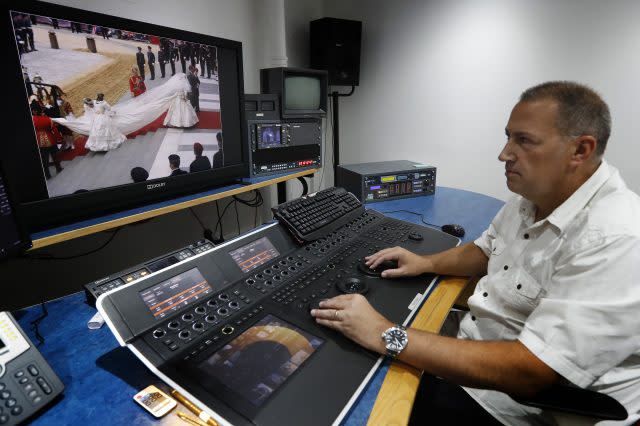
x=112 y=107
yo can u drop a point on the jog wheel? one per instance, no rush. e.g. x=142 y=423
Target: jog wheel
x=387 y=264
x=352 y=286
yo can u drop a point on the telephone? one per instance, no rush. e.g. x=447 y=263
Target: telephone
x=27 y=383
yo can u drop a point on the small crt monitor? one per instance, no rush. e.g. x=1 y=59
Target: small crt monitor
x=303 y=92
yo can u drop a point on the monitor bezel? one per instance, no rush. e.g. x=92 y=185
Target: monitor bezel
x=47 y=213
x=23 y=232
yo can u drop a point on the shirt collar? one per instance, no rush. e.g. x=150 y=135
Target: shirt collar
x=565 y=213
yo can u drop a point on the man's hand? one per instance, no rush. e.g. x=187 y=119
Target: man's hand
x=409 y=264
x=353 y=316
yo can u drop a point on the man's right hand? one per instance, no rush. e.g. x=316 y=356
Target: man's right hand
x=409 y=264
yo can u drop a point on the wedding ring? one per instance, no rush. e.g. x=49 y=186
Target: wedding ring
x=335 y=315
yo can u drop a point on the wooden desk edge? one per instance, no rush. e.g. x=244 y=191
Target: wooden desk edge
x=103 y=226
x=395 y=399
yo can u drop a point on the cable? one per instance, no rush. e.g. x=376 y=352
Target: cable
x=220 y=239
x=417 y=214
x=235 y=205
x=36 y=322
x=305 y=185
x=206 y=232
x=324 y=154
x=45 y=256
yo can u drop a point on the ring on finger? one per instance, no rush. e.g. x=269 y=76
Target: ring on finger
x=335 y=315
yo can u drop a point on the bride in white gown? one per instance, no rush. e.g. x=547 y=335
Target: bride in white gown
x=181 y=112
x=135 y=113
x=104 y=134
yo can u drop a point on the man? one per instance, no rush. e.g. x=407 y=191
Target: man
x=140 y=60
x=162 y=60
x=218 y=157
x=173 y=55
x=174 y=165
x=559 y=298
x=48 y=137
x=201 y=162
x=139 y=174
x=184 y=51
x=194 y=82
x=151 y=61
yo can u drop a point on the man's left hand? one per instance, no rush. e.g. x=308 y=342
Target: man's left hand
x=353 y=316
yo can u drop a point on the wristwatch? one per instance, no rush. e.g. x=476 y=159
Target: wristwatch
x=395 y=340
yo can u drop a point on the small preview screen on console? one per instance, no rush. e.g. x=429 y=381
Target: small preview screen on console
x=254 y=254
x=175 y=293
x=261 y=359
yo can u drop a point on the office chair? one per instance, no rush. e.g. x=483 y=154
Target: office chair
x=573 y=406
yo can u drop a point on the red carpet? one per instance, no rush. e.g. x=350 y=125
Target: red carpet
x=208 y=120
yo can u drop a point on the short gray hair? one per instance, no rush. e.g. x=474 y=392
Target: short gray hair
x=581 y=111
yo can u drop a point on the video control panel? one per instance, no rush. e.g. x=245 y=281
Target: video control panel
x=94 y=289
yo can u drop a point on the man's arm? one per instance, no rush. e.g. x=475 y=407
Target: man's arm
x=504 y=366
x=466 y=260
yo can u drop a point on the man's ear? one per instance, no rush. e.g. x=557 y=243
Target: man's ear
x=584 y=148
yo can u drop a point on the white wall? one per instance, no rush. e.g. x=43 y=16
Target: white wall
x=439 y=78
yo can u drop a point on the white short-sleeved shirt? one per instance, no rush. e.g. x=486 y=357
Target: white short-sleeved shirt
x=568 y=288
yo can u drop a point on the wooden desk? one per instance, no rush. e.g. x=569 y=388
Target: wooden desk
x=80 y=229
x=396 y=396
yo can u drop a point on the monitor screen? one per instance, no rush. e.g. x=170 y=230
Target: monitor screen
x=175 y=293
x=257 y=362
x=254 y=254
x=302 y=92
x=105 y=105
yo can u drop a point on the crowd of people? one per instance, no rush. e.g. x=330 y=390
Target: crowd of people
x=199 y=164
x=171 y=51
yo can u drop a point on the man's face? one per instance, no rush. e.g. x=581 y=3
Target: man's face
x=536 y=155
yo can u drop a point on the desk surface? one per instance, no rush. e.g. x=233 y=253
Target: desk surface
x=101 y=377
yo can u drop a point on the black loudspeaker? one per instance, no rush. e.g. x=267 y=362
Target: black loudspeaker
x=335 y=47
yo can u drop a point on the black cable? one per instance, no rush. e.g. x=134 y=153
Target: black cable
x=417 y=214
x=36 y=322
x=305 y=185
x=235 y=205
x=220 y=239
x=45 y=256
x=197 y=218
x=324 y=154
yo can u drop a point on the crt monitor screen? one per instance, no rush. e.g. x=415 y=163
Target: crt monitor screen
x=302 y=92
x=106 y=105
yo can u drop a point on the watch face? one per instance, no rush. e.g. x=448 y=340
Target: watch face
x=396 y=339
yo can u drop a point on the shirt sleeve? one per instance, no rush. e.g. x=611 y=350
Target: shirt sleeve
x=588 y=321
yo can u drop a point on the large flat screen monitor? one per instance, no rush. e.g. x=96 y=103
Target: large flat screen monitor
x=106 y=113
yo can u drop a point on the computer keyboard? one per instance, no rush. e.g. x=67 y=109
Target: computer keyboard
x=316 y=215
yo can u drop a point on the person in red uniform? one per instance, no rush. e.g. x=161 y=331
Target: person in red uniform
x=136 y=83
x=48 y=136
